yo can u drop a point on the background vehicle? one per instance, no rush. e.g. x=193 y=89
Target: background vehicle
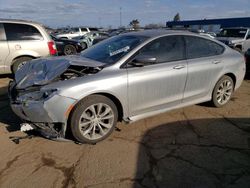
x=237 y=38
x=247 y=56
x=75 y=32
x=21 y=41
x=127 y=77
x=67 y=46
x=91 y=38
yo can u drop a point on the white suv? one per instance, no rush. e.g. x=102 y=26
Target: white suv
x=21 y=41
x=236 y=38
x=76 y=32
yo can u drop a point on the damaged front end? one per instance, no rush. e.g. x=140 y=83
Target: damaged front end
x=45 y=109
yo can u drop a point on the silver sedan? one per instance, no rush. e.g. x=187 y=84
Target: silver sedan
x=124 y=78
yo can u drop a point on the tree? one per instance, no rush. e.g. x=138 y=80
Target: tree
x=135 y=24
x=177 y=17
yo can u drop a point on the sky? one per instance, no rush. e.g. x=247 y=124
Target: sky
x=105 y=13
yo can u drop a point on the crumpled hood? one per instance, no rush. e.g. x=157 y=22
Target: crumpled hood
x=230 y=39
x=42 y=71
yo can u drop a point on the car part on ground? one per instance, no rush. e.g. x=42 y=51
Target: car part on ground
x=66 y=46
x=22 y=41
x=127 y=77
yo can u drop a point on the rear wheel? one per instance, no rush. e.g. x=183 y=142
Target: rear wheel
x=93 y=119
x=223 y=91
x=19 y=62
x=69 y=50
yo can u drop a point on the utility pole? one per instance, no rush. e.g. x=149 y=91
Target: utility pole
x=120 y=16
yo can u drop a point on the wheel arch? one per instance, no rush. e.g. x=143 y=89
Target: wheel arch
x=116 y=101
x=113 y=98
x=21 y=56
x=231 y=75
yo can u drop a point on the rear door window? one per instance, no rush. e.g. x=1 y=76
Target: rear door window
x=198 y=47
x=16 y=32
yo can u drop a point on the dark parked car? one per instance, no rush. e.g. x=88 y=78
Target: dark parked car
x=66 y=46
x=247 y=56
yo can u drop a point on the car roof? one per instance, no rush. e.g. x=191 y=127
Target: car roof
x=18 y=21
x=158 y=32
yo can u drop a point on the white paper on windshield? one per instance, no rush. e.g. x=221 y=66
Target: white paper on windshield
x=125 y=49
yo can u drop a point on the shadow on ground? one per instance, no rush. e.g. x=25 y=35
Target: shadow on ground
x=7 y=117
x=196 y=153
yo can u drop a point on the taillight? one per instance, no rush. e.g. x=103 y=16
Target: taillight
x=52 y=48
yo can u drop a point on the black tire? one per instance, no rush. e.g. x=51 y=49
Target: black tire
x=84 y=45
x=19 y=62
x=218 y=90
x=69 y=50
x=81 y=108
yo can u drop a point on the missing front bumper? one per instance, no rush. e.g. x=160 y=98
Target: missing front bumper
x=55 y=131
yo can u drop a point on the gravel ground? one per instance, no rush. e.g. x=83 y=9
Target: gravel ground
x=197 y=146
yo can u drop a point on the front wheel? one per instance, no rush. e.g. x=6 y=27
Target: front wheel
x=223 y=91
x=93 y=119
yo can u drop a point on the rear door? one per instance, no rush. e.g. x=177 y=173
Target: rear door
x=205 y=62
x=4 y=49
x=160 y=85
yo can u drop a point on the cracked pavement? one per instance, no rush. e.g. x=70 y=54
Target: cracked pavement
x=196 y=146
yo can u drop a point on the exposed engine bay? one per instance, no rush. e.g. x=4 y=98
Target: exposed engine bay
x=27 y=90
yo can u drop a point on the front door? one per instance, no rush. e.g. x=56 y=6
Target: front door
x=161 y=84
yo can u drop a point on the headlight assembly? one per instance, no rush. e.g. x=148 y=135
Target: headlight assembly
x=38 y=95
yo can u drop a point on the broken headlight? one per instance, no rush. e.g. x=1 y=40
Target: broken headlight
x=38 y=95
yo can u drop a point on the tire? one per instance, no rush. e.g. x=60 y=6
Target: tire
x=69 y=50
x=19 y=62
x=98 y=116
x=223 y=91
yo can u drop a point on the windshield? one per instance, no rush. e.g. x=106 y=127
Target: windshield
x=237 y=33
x=113 y=49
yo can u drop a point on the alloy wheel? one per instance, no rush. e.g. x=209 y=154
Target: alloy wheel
x=96 y=121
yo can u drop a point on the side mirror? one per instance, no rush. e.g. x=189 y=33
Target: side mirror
x=142 y=60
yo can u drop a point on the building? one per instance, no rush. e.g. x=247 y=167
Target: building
x=210 y=25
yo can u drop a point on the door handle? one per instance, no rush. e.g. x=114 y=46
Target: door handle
x=179 y=67
x=216 y=62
